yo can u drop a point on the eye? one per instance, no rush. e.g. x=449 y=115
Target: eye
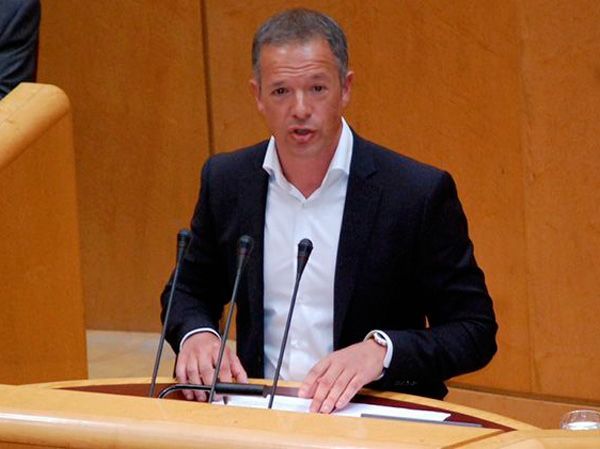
x=279 y=91
x=318 y=88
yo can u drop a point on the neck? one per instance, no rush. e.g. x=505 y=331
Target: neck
x=305 y=174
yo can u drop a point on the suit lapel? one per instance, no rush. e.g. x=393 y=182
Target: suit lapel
x=252 y=204
x=362 y=200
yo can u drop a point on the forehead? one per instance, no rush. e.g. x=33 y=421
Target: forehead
x=312 y=57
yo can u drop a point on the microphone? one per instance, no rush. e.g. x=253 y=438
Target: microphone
x=222 y=388
x=305 y=247
x=245 y=245
x=183 y=240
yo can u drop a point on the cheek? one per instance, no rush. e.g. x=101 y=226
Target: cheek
x=274 y=120
x=332 y=112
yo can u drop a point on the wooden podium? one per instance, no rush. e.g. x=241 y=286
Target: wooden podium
x=42 y=322
x=112 y=413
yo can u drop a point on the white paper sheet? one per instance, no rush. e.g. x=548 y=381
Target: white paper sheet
x=294 y=404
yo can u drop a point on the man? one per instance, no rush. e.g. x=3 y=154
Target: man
x=392 y=293
x=19 y=30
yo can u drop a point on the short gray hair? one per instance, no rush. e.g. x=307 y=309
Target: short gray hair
x=301 y=25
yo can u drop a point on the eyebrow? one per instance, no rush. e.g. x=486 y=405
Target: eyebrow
x=315 y=77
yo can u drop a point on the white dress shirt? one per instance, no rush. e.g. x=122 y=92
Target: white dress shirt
x=289 y=218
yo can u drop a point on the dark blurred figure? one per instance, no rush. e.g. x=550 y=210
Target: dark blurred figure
x=19 y=36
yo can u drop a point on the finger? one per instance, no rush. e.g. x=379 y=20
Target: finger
x=309 y=384
x=210 y=369
x=237 y=370
x=181 y=375
x=324 y=385
x=352 y=388
x=194 y=377
x=180 y=363
x=206 y=368
x=224 y=373
x=339 y=386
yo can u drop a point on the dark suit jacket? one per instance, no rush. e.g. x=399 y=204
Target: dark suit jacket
x=405 y=262
x=19 y=30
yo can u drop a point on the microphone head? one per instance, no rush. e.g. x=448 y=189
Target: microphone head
x=305 y=247
x=184 y=235
x=183 y=238
x=245 y=245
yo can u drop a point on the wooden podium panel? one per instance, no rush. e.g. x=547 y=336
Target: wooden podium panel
x=42 y=319
x=47 y=417
x=541 y=439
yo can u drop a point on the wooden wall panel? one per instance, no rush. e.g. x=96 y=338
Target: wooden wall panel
x=561 y=91
x=135 y=75
x=436 y=81
x=505 y=95
x=42 y=319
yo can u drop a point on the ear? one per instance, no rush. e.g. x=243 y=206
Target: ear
x=255 y=88
x=347 y=88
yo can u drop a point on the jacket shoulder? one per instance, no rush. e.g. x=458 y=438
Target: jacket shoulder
x=399 y=171
x=243 y=158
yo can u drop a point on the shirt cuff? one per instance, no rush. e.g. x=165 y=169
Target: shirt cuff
x=389 y=352
x=197 y=331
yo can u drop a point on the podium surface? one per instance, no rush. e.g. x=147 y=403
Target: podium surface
x=540 y=439
x=53 y=415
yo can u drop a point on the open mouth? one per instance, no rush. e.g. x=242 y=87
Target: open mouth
x=302 y=134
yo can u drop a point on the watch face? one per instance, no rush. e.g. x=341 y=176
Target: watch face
x=379 y=340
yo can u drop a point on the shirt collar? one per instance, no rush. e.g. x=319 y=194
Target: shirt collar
x=340 y=163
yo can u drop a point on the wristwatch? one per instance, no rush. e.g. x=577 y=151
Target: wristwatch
x=379 y=339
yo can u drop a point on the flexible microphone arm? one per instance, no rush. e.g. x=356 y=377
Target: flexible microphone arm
x=245 y=246
x=305 y=247
x=183 y=240
x=221 y=388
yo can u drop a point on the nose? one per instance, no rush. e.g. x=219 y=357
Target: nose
x=301 y=107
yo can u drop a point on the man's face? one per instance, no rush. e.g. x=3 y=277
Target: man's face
x=302 y=97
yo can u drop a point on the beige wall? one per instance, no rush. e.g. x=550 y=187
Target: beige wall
x=134 y=73
x=561 y=152
x=504 y=95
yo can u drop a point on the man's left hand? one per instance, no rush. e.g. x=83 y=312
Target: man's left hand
x=334 y=380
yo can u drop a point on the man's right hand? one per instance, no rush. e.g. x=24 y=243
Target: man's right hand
x=196 y=364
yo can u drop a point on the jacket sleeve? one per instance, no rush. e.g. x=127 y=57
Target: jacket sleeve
x=19 y=36
x=200 y=292
x=460 y=336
